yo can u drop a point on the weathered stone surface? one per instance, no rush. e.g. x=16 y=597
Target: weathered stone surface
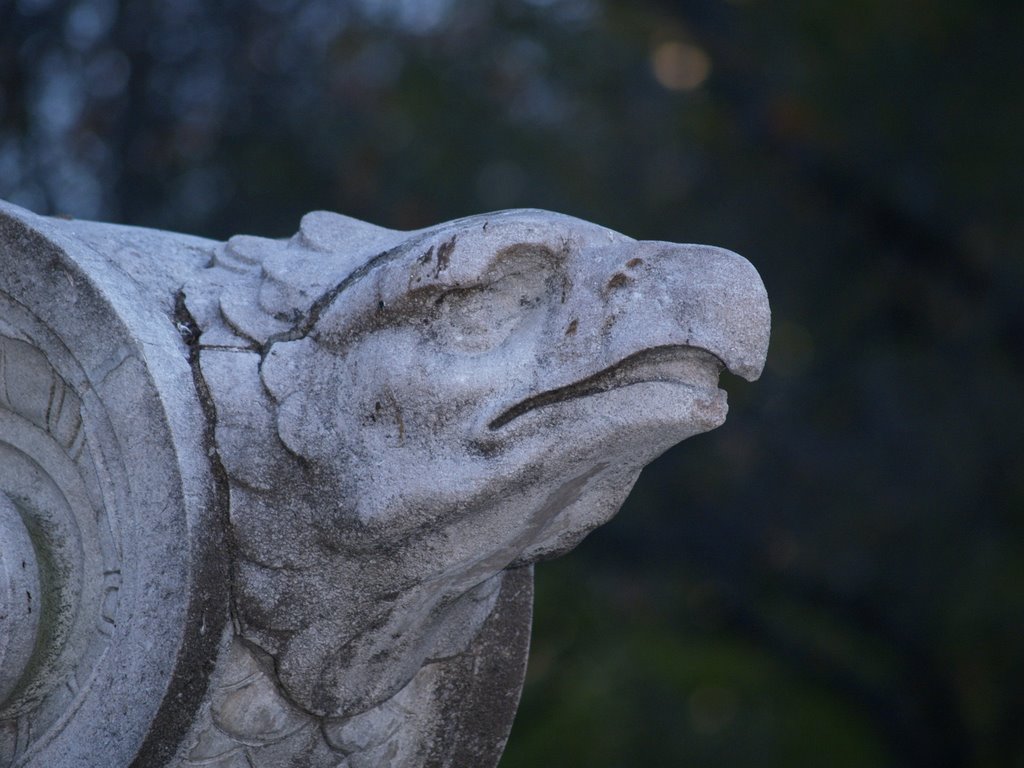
x=352 y=444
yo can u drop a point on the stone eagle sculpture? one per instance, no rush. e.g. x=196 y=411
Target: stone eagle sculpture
x=370 y=437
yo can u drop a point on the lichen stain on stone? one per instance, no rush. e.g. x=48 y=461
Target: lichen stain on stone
x=444 y=254
x=618 y=280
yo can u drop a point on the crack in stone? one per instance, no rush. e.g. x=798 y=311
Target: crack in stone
x=304 y=325
x=216 y=573
x=184 y=318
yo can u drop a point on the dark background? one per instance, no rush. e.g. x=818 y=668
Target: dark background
x=836 y=576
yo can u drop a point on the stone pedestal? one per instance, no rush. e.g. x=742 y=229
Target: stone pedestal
x=275 y=502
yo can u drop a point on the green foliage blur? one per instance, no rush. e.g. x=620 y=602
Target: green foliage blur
x=836 y=576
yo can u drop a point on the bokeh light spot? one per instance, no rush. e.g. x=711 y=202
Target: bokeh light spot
x=680 y=66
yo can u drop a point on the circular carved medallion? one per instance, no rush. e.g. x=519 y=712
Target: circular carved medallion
x=103 y=484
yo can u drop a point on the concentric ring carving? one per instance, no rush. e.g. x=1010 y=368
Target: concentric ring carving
x=59 y=466
x=104 y=465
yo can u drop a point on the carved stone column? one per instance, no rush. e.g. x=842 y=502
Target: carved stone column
x=275 y=502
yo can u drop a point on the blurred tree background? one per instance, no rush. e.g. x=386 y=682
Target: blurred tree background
x=836 y=576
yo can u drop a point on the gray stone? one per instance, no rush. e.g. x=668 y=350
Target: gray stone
x=281 y=497
x=20 y=598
